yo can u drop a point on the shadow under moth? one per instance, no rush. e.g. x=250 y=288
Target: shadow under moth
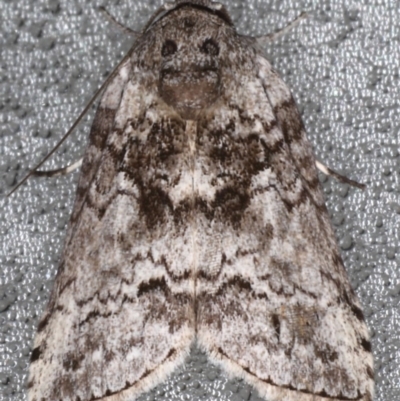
x=199 y=216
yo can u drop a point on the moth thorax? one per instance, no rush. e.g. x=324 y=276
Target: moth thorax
x=190 y=82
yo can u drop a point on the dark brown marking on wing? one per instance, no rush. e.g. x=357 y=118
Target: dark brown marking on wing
x=153 y=285
x=102 y=125
x=289 y=120
x=366 y=344
x=293 y=130
x=230 y=203
x=36 y=352
x=358 y=313
x=276 y=324
x=73 y=361
x=325 y=353
x=44 y=322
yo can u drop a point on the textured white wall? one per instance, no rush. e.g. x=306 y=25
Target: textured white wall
x=343 y=65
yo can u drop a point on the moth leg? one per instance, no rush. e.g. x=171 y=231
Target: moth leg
x=60 y=171
x=341 y=178
x=283 y=31
x=75 y=124
x=113 y=20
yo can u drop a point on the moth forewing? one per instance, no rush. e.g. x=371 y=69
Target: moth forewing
x=199 y=216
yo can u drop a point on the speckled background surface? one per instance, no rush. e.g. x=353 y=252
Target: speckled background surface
x=343 y=66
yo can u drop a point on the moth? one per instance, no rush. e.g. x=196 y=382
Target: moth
x=199 y=217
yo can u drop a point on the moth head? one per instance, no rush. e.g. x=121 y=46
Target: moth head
x=191 y=47
x=210 y=6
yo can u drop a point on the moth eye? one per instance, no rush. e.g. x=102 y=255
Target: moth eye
x=169 y=48
x=210 y=46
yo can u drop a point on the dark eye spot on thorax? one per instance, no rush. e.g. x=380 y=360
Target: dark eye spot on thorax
x=210 y=46
x=169 y=48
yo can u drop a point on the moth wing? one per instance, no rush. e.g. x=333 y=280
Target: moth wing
x=275 y=305
x=120 y=317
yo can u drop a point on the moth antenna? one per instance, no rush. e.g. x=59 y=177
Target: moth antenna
x=74 y=125
x=60 y=171
x=162 y=9
x=114 y=21
x=339 y=177
x=264 y=39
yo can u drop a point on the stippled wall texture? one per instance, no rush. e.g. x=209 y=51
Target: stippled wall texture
x=343 y=66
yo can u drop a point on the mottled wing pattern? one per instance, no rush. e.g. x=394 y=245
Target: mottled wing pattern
x=199 y=211
x=121 y=313
x=275 y=305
